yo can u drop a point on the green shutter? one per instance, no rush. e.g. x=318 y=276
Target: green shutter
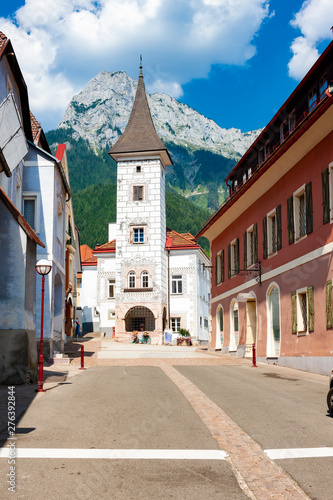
x=290 y=215
x=278 y=228
x=326 y=195
x=293 y=313
x=229 y=261
x=264 y=237
x=237 y=255
x=255 y=240
x=329 y=309
x=222 y=265
x=245 y=250
x=216 y=276
x=310 y=309
x=309 y=211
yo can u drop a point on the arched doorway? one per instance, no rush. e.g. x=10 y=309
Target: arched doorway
x=68 y=321
x=273 y=322
x=219 y=328
x=58 y=308
x=139 y=318
x=234 y=326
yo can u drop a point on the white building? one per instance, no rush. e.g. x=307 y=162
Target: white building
x=147 y=277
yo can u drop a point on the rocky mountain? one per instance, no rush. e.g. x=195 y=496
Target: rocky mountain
x=100 y=112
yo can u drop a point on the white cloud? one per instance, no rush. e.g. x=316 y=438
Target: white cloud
x=61 y=44
x=313 y=20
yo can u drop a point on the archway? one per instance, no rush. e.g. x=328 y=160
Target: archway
x=58 y=307
x=139 y=318
x=273 y=322
x=251 y=325
x=234 y=326
x=219 y=328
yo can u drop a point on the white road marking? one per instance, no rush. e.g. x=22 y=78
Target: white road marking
x=277 y=454
x=115 y=454
x=300 y=453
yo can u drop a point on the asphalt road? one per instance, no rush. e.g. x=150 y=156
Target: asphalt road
x=139 y=407
x=279 y=409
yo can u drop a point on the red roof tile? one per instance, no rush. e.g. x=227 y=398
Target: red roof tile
x=86 y=252
x=180 y=240
x=107 y=247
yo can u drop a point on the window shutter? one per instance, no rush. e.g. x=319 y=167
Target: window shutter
x=255 y=240
x=293 y=313
x=279 y=228
x=326 y=195
x=229 y=261
x=245 y=250
x=310 y=309
x=309 y=212
x=264 y=237
x=222 y=265
x=290 y=215
x=329 y=309
x=216 y=276
x=237 y=255
x=131 y=235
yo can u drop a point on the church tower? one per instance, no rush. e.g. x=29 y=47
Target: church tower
x=141 y=260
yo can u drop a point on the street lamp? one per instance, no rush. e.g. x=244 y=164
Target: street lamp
x=43 y=267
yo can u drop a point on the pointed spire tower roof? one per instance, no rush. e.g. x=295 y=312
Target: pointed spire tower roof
x=140 y=135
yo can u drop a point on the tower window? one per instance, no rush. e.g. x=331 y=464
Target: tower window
x=138 y=193
x=138 y=169
x=138 y=235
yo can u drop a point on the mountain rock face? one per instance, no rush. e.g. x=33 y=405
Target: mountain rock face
x=100 y=112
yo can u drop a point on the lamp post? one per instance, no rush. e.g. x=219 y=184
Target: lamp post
x=43 y=267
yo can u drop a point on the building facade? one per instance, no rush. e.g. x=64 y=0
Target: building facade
x=271 y=240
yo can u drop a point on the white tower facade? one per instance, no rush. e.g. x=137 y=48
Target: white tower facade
x=141 y=291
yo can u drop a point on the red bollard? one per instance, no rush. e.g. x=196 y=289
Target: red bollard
x=40 y=373
x=82 y=358
x=113 y=332
x=254 y=358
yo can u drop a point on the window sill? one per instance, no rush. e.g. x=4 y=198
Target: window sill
x=138 y=289
x=272 y=254
x=300 y=238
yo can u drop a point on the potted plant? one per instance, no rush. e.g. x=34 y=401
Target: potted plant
x=184 y=337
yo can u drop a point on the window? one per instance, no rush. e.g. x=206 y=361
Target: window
x=283 y=131
x=111 y=289
x=205 y=323
x=233 y=258
x=299 y=213
x=138 y=169
x=322 y=86
x=177 y=284
x=302 y=311
x=312 y=99
x=260 y=156
x=329 y=305
x=219 y=268
x=235 y=319
x=175 y=324
x=250 y=246
x=138 y=193
x=274 y=233
x=131 y=279
x=327 y=193
x=267 y=150
x=200 y=321
x=137 y=235
x=292 y=122
x=145 y=279
x=31 y=209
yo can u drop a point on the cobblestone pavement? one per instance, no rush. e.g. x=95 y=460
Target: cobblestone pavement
x=257 y=475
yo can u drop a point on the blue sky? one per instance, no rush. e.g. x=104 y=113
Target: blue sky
x=235 y=61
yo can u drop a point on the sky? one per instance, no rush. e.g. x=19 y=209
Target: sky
x=234 y=61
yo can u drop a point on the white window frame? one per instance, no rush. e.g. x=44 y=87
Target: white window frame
x=178 y=280
x=312 y=99
x=176 y=323
x=297 y=197
x=250 y=245
x=33 y=195
x=138 y=228
x=219 y=268
x=131 y=278
x=145 y=278
x=271 y=216
x=233 y=267
x=302 y=329
x=291 y=121
x=323 y=84
x=111 y=288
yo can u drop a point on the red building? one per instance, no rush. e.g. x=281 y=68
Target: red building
x=271 y=240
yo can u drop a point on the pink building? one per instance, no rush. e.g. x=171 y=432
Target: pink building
x=271 y=240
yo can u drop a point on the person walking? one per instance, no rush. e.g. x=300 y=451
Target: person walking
x=78 y=333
